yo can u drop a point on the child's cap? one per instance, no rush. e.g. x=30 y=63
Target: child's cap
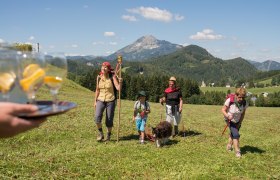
x=141 y=93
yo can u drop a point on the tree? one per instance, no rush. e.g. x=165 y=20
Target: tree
x=23 y=47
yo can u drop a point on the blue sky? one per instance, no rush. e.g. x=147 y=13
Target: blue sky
x=227 y=29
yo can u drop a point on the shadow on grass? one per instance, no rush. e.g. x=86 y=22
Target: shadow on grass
x=251 y=149
x=189 y=133
x=129 y=137
x=171 y=142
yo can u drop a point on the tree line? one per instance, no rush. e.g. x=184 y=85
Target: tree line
x=155 y=85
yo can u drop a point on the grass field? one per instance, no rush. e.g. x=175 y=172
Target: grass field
x=65 y=146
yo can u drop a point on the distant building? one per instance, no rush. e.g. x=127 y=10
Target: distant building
x=227 y=85
x=249 y=94
x=211 y=84
x=89 y=64
x=203 y=84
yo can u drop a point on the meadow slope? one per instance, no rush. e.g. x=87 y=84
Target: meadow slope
x=65 y=146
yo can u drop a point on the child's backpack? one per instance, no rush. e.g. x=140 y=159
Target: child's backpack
x=138 y=102
x=232 y=98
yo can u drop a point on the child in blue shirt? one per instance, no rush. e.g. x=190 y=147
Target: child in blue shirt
x=141 y=111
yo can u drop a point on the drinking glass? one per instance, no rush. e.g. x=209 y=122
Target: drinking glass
x=8 y=69
x=31 y=73
x=56 y=72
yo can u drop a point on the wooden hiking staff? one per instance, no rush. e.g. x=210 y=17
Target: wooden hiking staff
x=184 y=130
x=225 y=128
x=119 y=70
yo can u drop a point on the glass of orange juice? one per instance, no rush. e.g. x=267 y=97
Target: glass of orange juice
x=31 y=73
x=8 y=69
x=56 y=72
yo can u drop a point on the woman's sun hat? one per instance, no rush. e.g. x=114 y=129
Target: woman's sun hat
x=172 y=78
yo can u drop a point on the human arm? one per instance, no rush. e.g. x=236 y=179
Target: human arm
x=95 y=99
x=181 y=105
x=11 y=124
x=224 y=111
x=162 y=100
x=117 y=82
x=97 y=91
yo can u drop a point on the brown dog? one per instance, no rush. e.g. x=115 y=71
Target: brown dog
x=162 y=132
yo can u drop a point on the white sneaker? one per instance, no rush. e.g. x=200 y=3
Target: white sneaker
x=238 y=154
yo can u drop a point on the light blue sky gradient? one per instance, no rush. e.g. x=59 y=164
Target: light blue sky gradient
x=227 y=29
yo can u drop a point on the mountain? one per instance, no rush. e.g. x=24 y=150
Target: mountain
x=144 y=48
x=196 y=63
x=88 y=58
x=266 y=65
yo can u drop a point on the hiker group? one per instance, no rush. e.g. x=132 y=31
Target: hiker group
x=108 y=82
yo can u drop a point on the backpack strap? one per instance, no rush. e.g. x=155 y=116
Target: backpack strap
x=138 y=102
x=115 y=89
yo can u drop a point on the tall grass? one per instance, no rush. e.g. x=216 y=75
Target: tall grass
x=65 y=146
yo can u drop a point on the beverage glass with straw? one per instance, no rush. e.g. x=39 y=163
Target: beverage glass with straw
x=8 y=69
x=56 y=72
x=31 y=73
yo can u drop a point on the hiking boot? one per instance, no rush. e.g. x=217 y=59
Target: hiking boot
x=100 y=137
x=238 y=154
x=229 y=147
x=108 y=138
x=175 y=132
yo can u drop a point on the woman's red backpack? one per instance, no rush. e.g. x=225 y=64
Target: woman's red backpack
x=232 y=99
x=231 y=96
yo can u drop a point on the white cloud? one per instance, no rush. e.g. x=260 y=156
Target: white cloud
x=264 y=50
x=206 y=34
x=129 y=18
x=31 y=38
x=72 y=54
x=113 y=43
x=179 y=17
x=110 y=52
x=97 y=43
x=152 y=13
x=30 y=43
x=185 y=44
x=1 y=40
x=74 y=45
x=109 y=34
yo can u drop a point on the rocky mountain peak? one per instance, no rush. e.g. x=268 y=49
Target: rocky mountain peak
x=145 y=42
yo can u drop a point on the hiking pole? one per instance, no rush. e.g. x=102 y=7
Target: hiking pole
x=119 y=64
x=161 y=113
x=225 y=127
x=184 y=131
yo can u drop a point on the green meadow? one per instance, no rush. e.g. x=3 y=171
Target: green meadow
x=65 y=146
